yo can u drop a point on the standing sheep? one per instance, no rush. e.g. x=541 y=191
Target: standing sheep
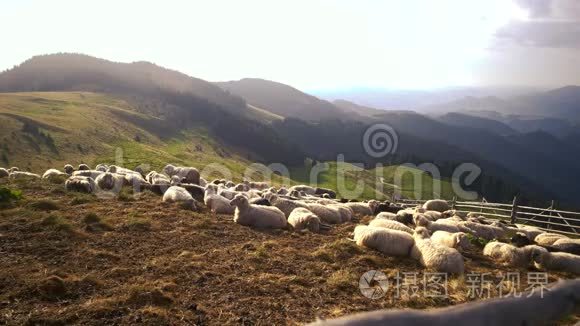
x=257 y=216
x=432 y=255
x=301 y=218
x=386 y=241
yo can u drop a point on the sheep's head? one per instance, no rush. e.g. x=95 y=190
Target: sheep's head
x=420 y=220
x=83 y=167
x=13 y=169
x=169 y=169
x=421 y=233
x=461 y=240
x=270 y=197
x=448 y=213
x=239 y=201
x=539 y=254
x=373 y=204
x=69 y=169
x=520 y=240
x=175 y=180
x=211 y=188
x=112 y=169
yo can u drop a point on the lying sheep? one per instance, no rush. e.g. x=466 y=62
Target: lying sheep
x=241 y=187
x=285 y=205
x=283 y=191
x=327 y=213
x=102 y=168
x=21 y=175
x=422 y=221
x=109 y=181
x=257 y=216
x=548 y=239
x=155 y=178
x=175 y=194
x=530 y=231
x=256 y=185
x=68 y=169
x=534 y=308
x=556 y=261
x=191 y=175
x=323 y=191
x=386 y=241
x=13 y=169
x=508 y=255
x=80 y=184
x=83 y=167
x=260 y=201
x=217 y=204
x=301 y=219
x=457 y=240
x=390 y=224
x=487 y=232
x=54 y=175
x=405 y=216
x=303 y=188
x=202 y=182
x=435 y=256
x=436 y=205
x=136 y=181
x=88 y=173
x=363 y=209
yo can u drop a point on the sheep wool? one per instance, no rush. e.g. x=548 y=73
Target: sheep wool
x=109 y=181
x=69 y=169
x=285 y=205
x=21 y=175
x=387 y=241
x=217 y=204
x=556 y=261
x=190 y=174
x=438 y=205
x=80 y=184
x=548 y=239
x=363 y=209
x=390 y=224
x=177 y=194
x=457 y=240
x=301 y=218
x=508 y=255
x=257 y=216
x=53 y=174
x=433 y=255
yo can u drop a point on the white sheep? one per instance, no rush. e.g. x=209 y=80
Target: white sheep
x=422 y=221
x=530 y=231
x=301 y=218
x=191 y=175
x=285 y=205
x=216 y=203
x=533 y=308
x=508 y=255
x=88 y=173
x=155 y=178
x=548 y=239
x=80 y=184
x=4 y=173
x=328 y=214
x=303 y=188
x=457 y=240
x=390 y=224
x=257 y=216
x=346 y=213
x=566 y=240
x=256 y=185
x=175 y=194
x=487 y=232
x=436 y=205
x=363 y=209
x=22 y=175
x=556 y=261
x=110 y=181
x=13 y=169
x=68 y=169
x=102 y=168
x=435 y=256
x=53 y=174
x=83 y=167
x=386 y=241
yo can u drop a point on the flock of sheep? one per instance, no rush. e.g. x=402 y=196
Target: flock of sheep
x=433 y=234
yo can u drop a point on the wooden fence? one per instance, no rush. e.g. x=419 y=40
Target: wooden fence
x=549 y=219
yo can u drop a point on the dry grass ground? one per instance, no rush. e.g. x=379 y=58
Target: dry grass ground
x=72 y=258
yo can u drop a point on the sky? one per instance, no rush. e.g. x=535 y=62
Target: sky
x=313 y=44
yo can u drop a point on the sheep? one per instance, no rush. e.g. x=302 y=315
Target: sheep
x=432 y=215
x=303 y=188
x=229 y=194
x=436 y=205
x=435 y=256
x=109 y=181
x=530 y=231
x=21 y=175
x=387 y=207
x=328 y=214
x=323 y=191
x=405 y=216
x=390 y=224
x=155 y=178
x=283 y=191
x=88 y=173
x=260 y=201
x=136 y=181
x=202 y=182
x=508 y=255
x=4 y=173
x=257 y=216
x=422 y=221
x=533 y=308
x=387 y=241
x=457 y=240
x=285 y=205
x=548 y=239
x=230 y=184
x=80 y=184
x=190 y=174
x=363 y=209
x=301 y=218
x=556 y=261
x=13 y=169
x=241 y=187
x=568 y=245
x=520 y=239
x=256 y=185
x=217 y=204
x=83 y=167
x=53 y=174
x=102 y=168
x=176 y=194
x=346 y=212
x=68 y=169
x=487 y=232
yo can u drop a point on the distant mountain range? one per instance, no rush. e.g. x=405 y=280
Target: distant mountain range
x=271 y=122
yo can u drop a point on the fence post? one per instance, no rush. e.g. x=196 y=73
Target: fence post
x=549 y=225
x=514 y=209
x=453 y=202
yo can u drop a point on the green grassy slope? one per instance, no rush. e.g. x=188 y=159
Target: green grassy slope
x=45 y=130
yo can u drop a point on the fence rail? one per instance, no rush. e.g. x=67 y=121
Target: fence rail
x=549 y=219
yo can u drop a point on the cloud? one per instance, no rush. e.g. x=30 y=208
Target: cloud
x=545 y=34
x=536 y=8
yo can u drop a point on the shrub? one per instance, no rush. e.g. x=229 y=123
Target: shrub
x=7 y=195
